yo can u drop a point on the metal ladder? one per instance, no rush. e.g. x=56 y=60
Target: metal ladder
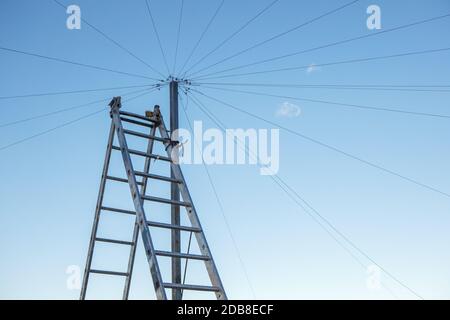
x=154 y=122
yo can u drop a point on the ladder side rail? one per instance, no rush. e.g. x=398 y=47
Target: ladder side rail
x=97 y=212
x=193 y=217
x=147 y=164
x=140 y=214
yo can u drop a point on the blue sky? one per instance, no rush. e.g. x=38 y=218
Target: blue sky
x=50 y=183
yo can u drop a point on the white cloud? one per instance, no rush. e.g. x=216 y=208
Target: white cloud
x=288 y=110
x=312 y=68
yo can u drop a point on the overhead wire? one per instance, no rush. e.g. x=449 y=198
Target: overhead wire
x=55 y=93
x=178 y=37
x=149 y=10
x=222 y=210
x=332 y=44
x=285 y=187
x=407 y=88
x=279 y=35
x=76 y=63
x=202 y=35
x=327 y=146
x=334 y=103
x=44 y=115
x=235 y=33
x=199 y=92
x=341 y=62
x=65 y=124
x=113 y=41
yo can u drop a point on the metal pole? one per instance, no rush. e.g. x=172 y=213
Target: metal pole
x=175 y=195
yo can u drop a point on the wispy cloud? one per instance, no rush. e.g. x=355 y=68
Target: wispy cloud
x=288 y=110
x=312 y=68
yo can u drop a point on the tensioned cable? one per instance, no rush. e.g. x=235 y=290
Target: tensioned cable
x=282 y=184
x=278 y=35
x=8 y=124
x=351 y=243
x=76 y=63
x=245 y=25
x=186 y=263
x=73 y=91
x=61 y=125
x=178 y=37
x=348 y=105
x=51 y=129
x=43 y=115
x=405 y=54
x=332 y=44
x=275 y=179
x=325 y=145
x=324 y=219
x=290 y=192
x=222 y=210
x=114 y=41
x=203 y=34
x=327 y=85
x=322 y=87
x=157 y=34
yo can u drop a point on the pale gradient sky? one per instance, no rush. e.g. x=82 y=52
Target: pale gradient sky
x=49 y=184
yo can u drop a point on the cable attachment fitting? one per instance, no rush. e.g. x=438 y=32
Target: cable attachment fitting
x=154 y=115
x=173 y=143
x=116 y=103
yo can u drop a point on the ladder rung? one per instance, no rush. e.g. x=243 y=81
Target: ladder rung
x=190 y=287
x=111 y=273
x=172 y=226
x=143 y=135
x=139 y=123
x=168 y=201
x=144 y=154
x=118 y=210
x=134 y=115
x=155 y=176
x=181 y=255
x=121 y=180
x=129 y=243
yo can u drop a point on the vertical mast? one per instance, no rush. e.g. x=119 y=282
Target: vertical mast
x=175 y=195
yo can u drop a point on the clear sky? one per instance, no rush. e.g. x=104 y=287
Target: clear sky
x=49 y=184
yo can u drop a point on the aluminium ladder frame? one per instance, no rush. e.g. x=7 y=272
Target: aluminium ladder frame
x=155 y=121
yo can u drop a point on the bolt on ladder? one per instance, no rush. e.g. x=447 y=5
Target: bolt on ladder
x=154 y=121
